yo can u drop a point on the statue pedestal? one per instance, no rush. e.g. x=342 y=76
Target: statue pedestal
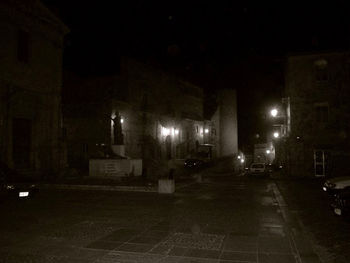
x=118 y=149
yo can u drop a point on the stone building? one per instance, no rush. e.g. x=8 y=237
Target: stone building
x=31 y=45
x=161 y=117
x=318 y=87
x=224 y=123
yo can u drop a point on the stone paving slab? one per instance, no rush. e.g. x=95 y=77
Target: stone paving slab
x=239 y=256
x=238 y=243
x=274 y=245
x=276 y=258
x=200 y=240
x=125 y=257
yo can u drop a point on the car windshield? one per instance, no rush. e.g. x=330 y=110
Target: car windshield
x=258 y=166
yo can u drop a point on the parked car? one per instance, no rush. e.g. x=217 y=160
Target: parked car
x=13 y=184
x=336 y=184
x=193 y=163
x=341 y=203
x=258 y=168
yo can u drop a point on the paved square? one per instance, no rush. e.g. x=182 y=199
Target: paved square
x=200 y=240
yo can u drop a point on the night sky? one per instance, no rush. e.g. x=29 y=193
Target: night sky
x=233 y=44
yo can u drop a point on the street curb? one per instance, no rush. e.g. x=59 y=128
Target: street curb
x=286 y=214
x=146 y=189
x=151 y=189
x=284 y=210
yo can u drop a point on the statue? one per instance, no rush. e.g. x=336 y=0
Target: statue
x=117 y=130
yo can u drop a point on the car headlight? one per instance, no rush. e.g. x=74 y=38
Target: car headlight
x=10 y=187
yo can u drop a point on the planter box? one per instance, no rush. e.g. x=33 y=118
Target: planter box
x=166 y=186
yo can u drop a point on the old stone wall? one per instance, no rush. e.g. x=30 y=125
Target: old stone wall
x=30 y=87
x=314 y=82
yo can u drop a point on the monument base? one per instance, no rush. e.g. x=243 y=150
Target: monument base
x=118 y=149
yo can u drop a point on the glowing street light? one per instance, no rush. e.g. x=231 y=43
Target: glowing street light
x=268 y=151
x=276 y=135
x=274 y=112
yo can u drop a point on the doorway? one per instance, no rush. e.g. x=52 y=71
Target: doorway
x=21 y=142
x=168 y=147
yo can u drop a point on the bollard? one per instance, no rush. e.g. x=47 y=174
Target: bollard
x=166 y=186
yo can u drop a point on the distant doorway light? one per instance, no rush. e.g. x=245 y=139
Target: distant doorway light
x=165 y=131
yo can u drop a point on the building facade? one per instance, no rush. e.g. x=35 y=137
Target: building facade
x=161 y=118
x=318 y=87
x=31 y=46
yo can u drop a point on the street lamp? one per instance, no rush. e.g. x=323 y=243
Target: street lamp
x=274 y=112
x=276 y=135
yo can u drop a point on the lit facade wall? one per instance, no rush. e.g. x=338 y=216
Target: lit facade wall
x=227 y=123
x=164 y=118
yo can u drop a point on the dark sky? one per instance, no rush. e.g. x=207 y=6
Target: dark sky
x=238 y=44
x=199 y=31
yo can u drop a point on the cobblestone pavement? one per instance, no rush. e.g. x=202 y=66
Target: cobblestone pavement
x=223 y=219
x=330 y=234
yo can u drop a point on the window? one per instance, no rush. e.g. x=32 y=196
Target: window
x=321 y=112
x=144 y=103
x=64 y=133
x=85 y=147
x=23 y=46
x=322 y=75
x=321 y=70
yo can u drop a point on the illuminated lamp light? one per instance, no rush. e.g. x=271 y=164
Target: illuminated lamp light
x=268 y=151
x=176 y=131
x=276 y=135
x=165 y=131
x=206 y=130
x=274 y=112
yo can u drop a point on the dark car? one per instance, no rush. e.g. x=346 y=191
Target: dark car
x=336 y=184
x=341 y=203
x=13 y=184
x=193 y=163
